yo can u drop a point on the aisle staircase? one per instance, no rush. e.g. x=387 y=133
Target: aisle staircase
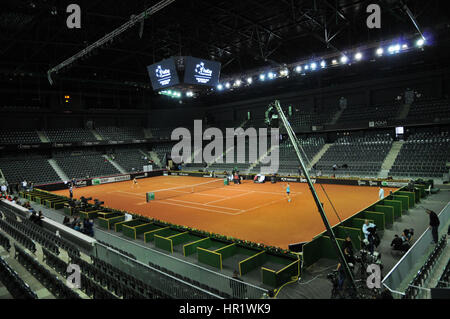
x=58 y=170
x=115 y=164
x=43 y=137
x=97 y=135
x=390 y=159
x=318 y=156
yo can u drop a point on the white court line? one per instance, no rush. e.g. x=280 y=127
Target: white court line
x=188 y=202
x=266 y=204
x=143 y=194
x=129 y=193
x=199 y=208
x=262 y=192
x=229 y=197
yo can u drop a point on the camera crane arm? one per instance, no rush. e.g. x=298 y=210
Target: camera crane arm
x=294 y=142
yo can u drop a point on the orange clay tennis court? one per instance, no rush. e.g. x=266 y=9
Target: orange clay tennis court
x=259 y=213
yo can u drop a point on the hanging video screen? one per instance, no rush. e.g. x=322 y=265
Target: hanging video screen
x=163 y=74
x=201 y=72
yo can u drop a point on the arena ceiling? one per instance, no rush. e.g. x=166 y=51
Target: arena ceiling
x=242 y=35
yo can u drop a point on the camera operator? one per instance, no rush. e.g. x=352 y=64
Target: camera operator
x=408 y=235
x=349 y=245
x=350 y=259
x=399 y=244
x=369 y=230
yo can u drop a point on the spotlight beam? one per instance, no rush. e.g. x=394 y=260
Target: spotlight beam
x=110 y=36
x=411 y=16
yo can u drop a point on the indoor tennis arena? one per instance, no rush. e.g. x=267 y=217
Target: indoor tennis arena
x=224 y=152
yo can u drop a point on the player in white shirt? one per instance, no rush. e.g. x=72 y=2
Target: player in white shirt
x=381 y=193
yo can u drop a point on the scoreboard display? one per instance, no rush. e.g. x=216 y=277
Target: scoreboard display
x=184 y=70
x=201 y=72
x=163 y=74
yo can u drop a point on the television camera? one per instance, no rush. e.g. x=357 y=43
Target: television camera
x=84 y=201
x=97 y=204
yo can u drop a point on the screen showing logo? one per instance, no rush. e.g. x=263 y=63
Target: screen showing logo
x=201 y=72
x=163 y=74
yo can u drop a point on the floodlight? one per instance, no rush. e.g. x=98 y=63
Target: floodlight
x=420 y=42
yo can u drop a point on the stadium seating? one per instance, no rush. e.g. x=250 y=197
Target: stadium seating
x=424 y=154
x=120 y=133
x=161 y=133
x=70 y=135
x=289 y=163
x=58 y=288
x=430 y=110
x=33 y=232
x=100 y=273
x=30 y=230
x=363 y=155
x=374 y=113
x=161 y=150
x=131 y=160
x=18 y=236
x=85 y=166
x=4 y=242
x=13 y=283
x=193 y=282
x=444 y=280
x=19 y=137
x=420 y=279
x=32 y=169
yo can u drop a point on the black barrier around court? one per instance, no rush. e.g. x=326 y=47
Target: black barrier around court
x=299 y=179
x=99 y=180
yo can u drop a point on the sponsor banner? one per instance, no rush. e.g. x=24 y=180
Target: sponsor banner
x=90 y=143
x=335 y=181
x=28 y=147
x=81 y=184
x=363 y=183
x=98 y=181
x=108 y=180
x=61 y=145
x=394 y=184
x=141 y=176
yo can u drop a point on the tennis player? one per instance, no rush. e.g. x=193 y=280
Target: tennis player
x=288 y=192
x=135 y=183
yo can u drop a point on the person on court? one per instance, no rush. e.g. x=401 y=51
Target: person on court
x=381 y=193
x=135 y=183
x=288 y=192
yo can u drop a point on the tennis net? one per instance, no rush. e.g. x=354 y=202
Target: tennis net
x=184 y=190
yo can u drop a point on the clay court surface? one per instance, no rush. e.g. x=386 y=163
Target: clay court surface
x=255 y=212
